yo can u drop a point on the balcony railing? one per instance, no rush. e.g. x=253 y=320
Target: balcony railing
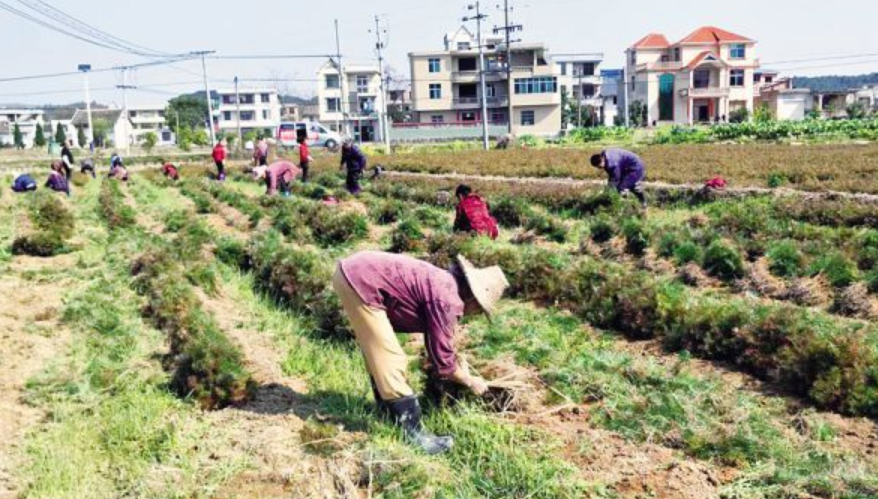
x=475 y=101
x=661 y=66
x=706 y=92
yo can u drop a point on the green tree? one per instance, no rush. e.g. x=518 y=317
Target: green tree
x=60 y=134
x=191 y=110
x=39 y=138
x=81 y=138
x=200 y=137
x=637 y=113
x=17 y=138
x=101 y=132
x=149 y=141
x=856 y=111
x=762 y=114
x=739 y=115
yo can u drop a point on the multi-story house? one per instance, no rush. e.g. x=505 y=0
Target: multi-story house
x=613 y=97
x=580 y=79
x=150 y=119
x=704 y=77
x=27 y=121
x=112 y=128
x=260 y=111
x=351 y=98
x=446 y=87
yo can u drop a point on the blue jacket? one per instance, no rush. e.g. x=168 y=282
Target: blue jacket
x=353 y=159
x=24 y=183
x=624 y=168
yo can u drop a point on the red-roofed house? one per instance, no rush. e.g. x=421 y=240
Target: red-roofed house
x=704 y=77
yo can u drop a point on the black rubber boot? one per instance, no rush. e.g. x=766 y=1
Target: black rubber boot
x=407 y=414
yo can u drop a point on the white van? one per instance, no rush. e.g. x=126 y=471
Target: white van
x=317 y=135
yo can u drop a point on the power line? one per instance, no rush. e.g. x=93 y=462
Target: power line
x=823 y=58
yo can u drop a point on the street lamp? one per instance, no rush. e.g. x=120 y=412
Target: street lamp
x=85 y=69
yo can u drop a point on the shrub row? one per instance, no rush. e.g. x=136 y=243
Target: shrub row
x=52 y=225
x=207 y=366
x=832 y=362
x=113 y=207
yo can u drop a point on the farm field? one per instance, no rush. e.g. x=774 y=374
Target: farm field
x=182 y=340
x=850 y=168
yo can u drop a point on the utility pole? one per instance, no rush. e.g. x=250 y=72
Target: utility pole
x=125 y=87
x=509 y=29
x=579 y=99
x=86 y=68
x=238 y=112
x=484 y=87
x=382 y=114
x=625 y=93
x=343 y=102
x=202 y=54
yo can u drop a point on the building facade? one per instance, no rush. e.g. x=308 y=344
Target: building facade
x=259 y=110
x=446 y=85
x=580 y=80
x=27 y=121
x=351 y=97
x=111 y=126
x=705 y=77
x=150 y=119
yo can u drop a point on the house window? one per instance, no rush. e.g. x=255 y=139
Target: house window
x=435 y=91
x=498 y=117
x=362 y=84
x=227 y=115
x=248 y=99
x=588 y=91
x=490 y=90
x=265 y=98
x=701 y=78
x=463 y=46
x=739 y=51
x=633 y=83
x=541 y=85
x=769 y=79
x=563 y=66
x=467 y=64
x=228 y=99
x=736 y=78
x=468 y=116
x=435 y=65
x=266 y=114
x=333 y=104
x=332 y=81
x=247 y=116
x=437 y=119
x=633 y=57
x=528 y=118
x=677 y=55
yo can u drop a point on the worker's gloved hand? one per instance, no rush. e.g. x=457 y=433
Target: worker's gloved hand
x=462 y=377
x=478 y=385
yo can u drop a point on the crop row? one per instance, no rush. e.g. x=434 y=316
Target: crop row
x=205 y=364
x=51 y=225
x=813 y=354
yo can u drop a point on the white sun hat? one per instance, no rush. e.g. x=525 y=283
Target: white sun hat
x=487 y=285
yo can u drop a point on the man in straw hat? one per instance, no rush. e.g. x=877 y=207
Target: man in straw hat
x=384 y=293
x=280 y=175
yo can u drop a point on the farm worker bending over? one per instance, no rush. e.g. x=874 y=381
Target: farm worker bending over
x=170 y=171
x=279 y=175
x=353 y=159
x=57 y=181
x=24 y=183
x=219 y=158
x=67 y=158
x=115 y=161
x=305 y=158
x=382 y=294
x=473 y=215
x=87 y=166
x=625 y=170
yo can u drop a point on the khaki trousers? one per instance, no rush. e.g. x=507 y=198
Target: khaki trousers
x=385 y=358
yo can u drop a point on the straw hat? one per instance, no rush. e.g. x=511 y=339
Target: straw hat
x=259 y=172
x=487 y=284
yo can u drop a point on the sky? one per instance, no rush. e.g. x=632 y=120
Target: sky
x=787 y=30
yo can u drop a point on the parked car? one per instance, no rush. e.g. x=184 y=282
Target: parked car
x=317 y=134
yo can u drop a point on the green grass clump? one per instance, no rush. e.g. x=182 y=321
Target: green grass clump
x=332 y=227
x=195 y=191
x=636 y=236
x=688 y=252
x=723 y=260
x=602 y=230
x=511 y=212
x=389 y=212
x=872 y=281
x=41 y=244
x=548 y=227
x=53 y=224
x=407 y=237
x=176 y=220
x=785 y=259
x=838 y=268
x=116 y=212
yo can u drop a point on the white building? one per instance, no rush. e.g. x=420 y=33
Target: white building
x=260 y=110
x=146 y=119
x=580 y=79
x=119 y=131
x=27 y=121
x=356 y=95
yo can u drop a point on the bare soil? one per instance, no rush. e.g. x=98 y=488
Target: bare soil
x=31 y=337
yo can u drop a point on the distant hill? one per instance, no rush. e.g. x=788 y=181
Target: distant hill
x=835 y=83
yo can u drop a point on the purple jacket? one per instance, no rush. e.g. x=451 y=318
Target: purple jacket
x=58 y=183
x=624 y=168
x=353 y=159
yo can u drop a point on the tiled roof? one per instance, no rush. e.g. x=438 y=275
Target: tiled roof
x=710 y=34
x=652 y=41
x=702 y=56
